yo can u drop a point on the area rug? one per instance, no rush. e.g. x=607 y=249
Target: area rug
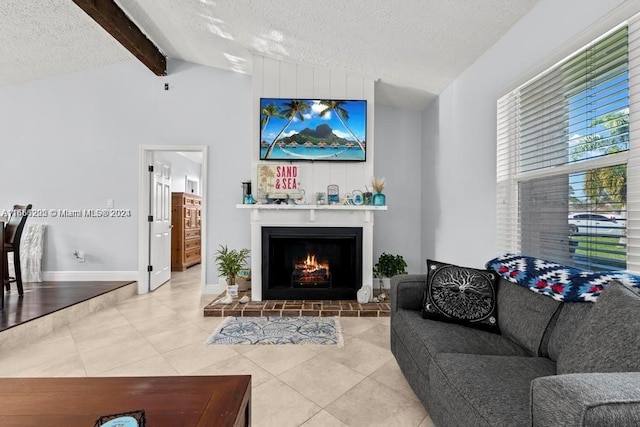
x=278 y=330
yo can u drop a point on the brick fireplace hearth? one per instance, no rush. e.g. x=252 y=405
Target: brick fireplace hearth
x=295 y=308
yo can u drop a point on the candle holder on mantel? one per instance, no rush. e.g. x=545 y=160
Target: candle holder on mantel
x=378 y=199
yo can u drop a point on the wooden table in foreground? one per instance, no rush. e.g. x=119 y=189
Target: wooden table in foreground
x=167 y=401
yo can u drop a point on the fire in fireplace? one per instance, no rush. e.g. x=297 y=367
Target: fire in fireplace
x=313 y=263
x=310 y=272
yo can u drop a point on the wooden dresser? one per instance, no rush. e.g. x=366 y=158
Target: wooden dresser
x=186 y=213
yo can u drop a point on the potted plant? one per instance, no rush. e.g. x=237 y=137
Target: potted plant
x=389 y=265
x=230 y=262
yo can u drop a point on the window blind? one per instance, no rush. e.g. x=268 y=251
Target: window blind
x=566 y=162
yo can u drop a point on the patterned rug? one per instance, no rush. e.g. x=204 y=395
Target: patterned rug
x=278 y=330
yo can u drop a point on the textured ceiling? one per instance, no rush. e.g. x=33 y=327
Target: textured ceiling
x=417 y=45
x=42 y=38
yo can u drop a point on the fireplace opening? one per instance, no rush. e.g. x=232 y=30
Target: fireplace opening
x=312 y=263
x=308 y=272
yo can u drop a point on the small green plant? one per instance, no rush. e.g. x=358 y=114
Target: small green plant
x=389 y=265
x=230 y=262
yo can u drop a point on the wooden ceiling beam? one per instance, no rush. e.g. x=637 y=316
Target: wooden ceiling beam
x=110 y=17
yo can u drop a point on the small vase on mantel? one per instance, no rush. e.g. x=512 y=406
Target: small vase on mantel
x=378 y=199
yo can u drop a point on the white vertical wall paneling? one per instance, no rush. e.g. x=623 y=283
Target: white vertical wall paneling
x=258 y=70
x=322 y=177
x=305 y=81
x=288 y=80
x=355 y=87
x=270 y=78
x=338 y=85
x=321 y=83
x=339 y=175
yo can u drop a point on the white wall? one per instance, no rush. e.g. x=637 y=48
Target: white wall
x=459 y=218
x=72 y=142
x=398 y=160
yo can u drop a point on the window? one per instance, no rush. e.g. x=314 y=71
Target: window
x=567 y=168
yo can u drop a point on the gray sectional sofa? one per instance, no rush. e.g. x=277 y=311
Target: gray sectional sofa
x=553 y=363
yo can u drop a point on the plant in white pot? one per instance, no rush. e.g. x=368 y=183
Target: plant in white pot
x=230 y=262
x=388 y=265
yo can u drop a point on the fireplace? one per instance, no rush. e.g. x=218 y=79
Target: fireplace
x=311 y=263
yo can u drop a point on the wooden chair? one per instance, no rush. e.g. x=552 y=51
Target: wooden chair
x=12 y=235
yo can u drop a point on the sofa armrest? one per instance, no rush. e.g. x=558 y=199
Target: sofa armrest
x=596 y=399
x=407 y=291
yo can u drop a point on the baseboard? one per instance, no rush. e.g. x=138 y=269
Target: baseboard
x=82 y=276
x=213 y=289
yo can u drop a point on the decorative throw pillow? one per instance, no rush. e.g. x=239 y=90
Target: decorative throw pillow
x=461 y=295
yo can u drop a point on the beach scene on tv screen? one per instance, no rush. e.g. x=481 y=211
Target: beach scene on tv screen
x=304 y=129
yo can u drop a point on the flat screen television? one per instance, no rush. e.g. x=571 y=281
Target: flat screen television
x=313 y=129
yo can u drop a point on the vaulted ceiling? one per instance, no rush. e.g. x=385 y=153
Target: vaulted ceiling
x=413 y=48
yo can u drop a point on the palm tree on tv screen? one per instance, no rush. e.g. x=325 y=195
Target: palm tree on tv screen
x=267 y=112
x=294 y=108
x=342 y=115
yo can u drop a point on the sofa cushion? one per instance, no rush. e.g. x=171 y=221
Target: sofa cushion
x=476 y=390
x=608 y=338
x=592 y=399
x=461 y=295
x=410 y=369
x=572 y=314
x=425 y=338
x=524 y=315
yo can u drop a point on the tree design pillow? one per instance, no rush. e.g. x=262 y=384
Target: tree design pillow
x=461 y=295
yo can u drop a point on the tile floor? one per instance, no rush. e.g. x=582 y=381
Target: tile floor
x=162 y=333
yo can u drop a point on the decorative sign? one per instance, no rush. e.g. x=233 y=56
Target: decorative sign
x=279 y=181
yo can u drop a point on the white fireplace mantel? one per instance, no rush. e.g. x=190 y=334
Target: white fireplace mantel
x=309 y=216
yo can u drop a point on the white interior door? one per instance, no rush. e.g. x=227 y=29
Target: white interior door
x=160 y=225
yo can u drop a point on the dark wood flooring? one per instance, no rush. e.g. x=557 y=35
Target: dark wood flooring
x=43 y=298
